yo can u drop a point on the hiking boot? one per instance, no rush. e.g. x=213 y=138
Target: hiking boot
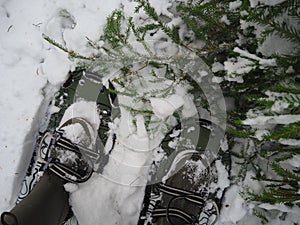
x=47 y=204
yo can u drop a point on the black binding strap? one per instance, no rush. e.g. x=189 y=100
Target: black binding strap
x=163 y=212
x=177 y=194
x=188 y=195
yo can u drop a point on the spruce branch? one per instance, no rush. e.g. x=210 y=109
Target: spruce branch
x=139 y=111
x=172 y=32
x=113 y=32
x=273 y=197
x=289 y=131
x=284 y=172
x=71 y=53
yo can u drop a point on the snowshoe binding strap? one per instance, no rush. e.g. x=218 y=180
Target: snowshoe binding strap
x=207 y=206
x=72 y=162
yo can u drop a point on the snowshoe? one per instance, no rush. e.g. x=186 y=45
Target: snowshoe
x=60 y=156
x=184 y=186
x=185 y=191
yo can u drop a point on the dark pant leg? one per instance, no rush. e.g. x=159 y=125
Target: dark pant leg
x=46 y=204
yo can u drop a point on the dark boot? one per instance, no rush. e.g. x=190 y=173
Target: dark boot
x=47 y=204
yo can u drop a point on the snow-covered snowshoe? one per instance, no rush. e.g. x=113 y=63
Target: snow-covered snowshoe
x=63 y=161
x=186 y=191
x=57 y=159
x=71 y=162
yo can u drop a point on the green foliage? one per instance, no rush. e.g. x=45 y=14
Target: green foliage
x=172 y=32
x=275 y=20
x=114 y=31
x=283 y=189
x=284 y=173
x=261 y=215
x=290 y=131
x=204 y=18
x=277 y=196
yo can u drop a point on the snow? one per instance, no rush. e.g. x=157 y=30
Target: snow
x=40 y=64
x=50 y=68
x=224 y=144
x=254 y=3
x=277 y=45
x=234 y=5
x=119 y=189
x=280 y=119
x=252 y=184
x=260 y=134
x=234 y=67
x=282 y=207
x=223 y=179
x=291 y=142
x=86 y=110
x=295 y=161
x=217 y=80
x=279 y=106
x=102 y=200
x=233 y=208
x=162 y=7
x=216 y=67
x=21 y=92
x=266 y=62
x=70 y=187
x=164 y=107
x=225 y=20
x=282 y=101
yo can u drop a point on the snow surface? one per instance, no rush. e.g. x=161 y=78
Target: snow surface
x=115 y=196
x=281 y=119
x=163 y=108
x=234 y=206
x=254 y=3
x=235 y=4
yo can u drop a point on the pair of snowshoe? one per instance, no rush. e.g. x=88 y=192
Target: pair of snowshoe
x=182 y=190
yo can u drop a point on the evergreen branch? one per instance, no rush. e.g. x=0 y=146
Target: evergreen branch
x=261 y=216
x=284 y=173
x=150 y=11
x=281 y=149
x=274 y=197
x=133 y=110
x=121 y=93
x=267 y=16
x=285 y=157
x=285 y=89
x=113 y=30
x=71 y=53
x=289 y=131
x=284 y=31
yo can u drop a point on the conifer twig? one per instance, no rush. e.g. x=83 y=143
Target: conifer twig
x=71 y=53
